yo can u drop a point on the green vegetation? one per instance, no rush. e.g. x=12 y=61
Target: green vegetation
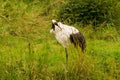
x=29 y=52
x=95 y=12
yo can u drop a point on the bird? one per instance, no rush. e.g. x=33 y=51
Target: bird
x=66 y=35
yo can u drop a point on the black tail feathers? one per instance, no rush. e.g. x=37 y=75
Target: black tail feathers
x=78 y=40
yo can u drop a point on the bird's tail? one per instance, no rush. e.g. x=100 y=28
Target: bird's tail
x=79 y=40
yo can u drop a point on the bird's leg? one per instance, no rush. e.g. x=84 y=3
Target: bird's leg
x=66 y=55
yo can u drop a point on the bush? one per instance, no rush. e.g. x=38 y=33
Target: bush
x=93 y=12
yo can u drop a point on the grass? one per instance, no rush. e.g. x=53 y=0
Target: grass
x=47 y=61
x=29 y=52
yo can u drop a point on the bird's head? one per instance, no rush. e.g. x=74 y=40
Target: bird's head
x=55 y=27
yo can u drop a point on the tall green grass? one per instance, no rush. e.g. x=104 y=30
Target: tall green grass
x=29 y=52
x=30 y=60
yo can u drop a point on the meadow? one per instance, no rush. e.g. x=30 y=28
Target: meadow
x=29 y=52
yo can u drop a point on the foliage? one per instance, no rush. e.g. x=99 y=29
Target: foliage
x=29 y=52
x=95 y=12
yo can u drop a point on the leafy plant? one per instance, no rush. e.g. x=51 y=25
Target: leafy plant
x=93 y=12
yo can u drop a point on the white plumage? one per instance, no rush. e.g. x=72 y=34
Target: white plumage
x=67 y=34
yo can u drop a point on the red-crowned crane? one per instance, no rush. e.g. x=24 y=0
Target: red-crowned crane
x=67 y=34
